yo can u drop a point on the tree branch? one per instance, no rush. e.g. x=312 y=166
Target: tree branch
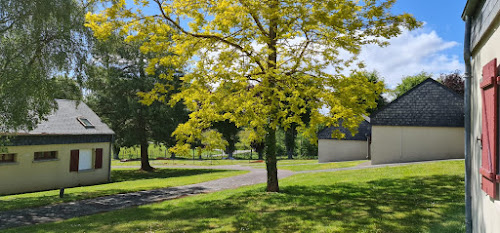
x=204 y=36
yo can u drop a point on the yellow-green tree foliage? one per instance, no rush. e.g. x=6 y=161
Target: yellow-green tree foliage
x=246 y=58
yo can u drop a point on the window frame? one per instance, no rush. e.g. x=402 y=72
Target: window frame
x=4 y=161
x=45 y=156
x=85 y=122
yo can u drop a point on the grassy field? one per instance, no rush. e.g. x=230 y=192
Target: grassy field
x=155 y=151
x=123 y=181
x=415 y=198
x=292 y=165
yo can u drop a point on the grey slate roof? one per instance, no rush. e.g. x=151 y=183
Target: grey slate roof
x=428 y=104
x=364 y=130
x=63 y=121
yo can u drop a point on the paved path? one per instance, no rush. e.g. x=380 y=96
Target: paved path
x=52 y=213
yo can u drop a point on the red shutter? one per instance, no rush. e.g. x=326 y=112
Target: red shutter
x=489 y=136
x=74 y=159
x=98 y=158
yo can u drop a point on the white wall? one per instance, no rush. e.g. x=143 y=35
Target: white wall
x=331 y=150
x=396 y=144
x=485 y=211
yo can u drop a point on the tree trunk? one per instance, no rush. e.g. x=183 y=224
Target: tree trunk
x=272 y=169
x=290 y=135
x=172 y=156
x=145 y=166
x=261 y=154
x=117 y=152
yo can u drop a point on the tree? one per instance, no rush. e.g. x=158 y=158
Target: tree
x=229 y=132
x=117 y=76
x=375 y=77
x=409 y=82
x=280 y=47
x=66 y=88
x=37 y=40
x=454 y=81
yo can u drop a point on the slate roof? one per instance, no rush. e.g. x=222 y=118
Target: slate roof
x=428 y=104
x=364 y=130
x=63 y=121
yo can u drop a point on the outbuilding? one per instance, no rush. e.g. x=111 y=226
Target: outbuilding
x=425 y=123
x=349 y=148
x=482 y=50
x=71 y=147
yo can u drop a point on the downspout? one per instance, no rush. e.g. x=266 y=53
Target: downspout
x=467 y=126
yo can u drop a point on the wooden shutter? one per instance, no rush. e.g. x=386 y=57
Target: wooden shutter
x=98 y=158
x=74 y=160
x=489 y=135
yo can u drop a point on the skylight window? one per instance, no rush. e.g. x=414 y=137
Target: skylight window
x=85 y=122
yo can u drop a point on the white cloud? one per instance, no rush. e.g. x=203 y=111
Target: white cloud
x=409 y=54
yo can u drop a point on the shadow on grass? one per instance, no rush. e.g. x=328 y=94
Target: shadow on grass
x=159 y=173
x=136 y=180
x=417 y=204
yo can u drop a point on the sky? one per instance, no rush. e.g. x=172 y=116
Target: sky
x=436 y=48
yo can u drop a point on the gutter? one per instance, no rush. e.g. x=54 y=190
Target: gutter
x=467 y=121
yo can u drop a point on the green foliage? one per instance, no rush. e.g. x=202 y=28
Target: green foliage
x=375 y=77
x=37 y=40
x=409 y=82
x=115 y=79
x=64 y=87
x=229 y=132
x=415 y=198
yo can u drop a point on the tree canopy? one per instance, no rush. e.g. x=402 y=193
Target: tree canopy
x=115 y=77
x=38 y=39
x=409 y=82
x=454 y=81
x=247 y=58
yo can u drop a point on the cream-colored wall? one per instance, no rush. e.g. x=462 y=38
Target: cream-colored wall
x=26 y=175
x=485 y=211
x=330 y=150
x=396 y=144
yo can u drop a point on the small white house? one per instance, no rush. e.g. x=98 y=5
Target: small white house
x=425 y=123
x=71 y=148
x=349 y=148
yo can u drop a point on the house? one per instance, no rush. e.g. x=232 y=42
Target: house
x=425 y=123
x=349 y=148
x=481 y=50
x=71 y=148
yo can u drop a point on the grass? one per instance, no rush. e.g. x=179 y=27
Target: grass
x=154 y=151
x=314 y=165
x=215 y=162
x=414 y=198
x=123 y=181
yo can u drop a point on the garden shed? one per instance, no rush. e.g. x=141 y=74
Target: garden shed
x=349 y=148
x=425 y=123
x=71 y=147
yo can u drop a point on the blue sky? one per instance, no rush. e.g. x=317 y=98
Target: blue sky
x=436 y=48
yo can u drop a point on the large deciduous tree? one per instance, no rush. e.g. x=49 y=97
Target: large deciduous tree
x=38 y=39
x=282 y=49
x=116 y=77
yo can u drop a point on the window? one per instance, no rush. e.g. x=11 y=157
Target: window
x=85 y=122
x=81 y=160
x=45 y=155
x=7 y=158
x=85 y=160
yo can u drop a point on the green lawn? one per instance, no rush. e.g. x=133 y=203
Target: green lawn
x=307 y=166
x=216 y=162
x=124 y=181
x=415 y=198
